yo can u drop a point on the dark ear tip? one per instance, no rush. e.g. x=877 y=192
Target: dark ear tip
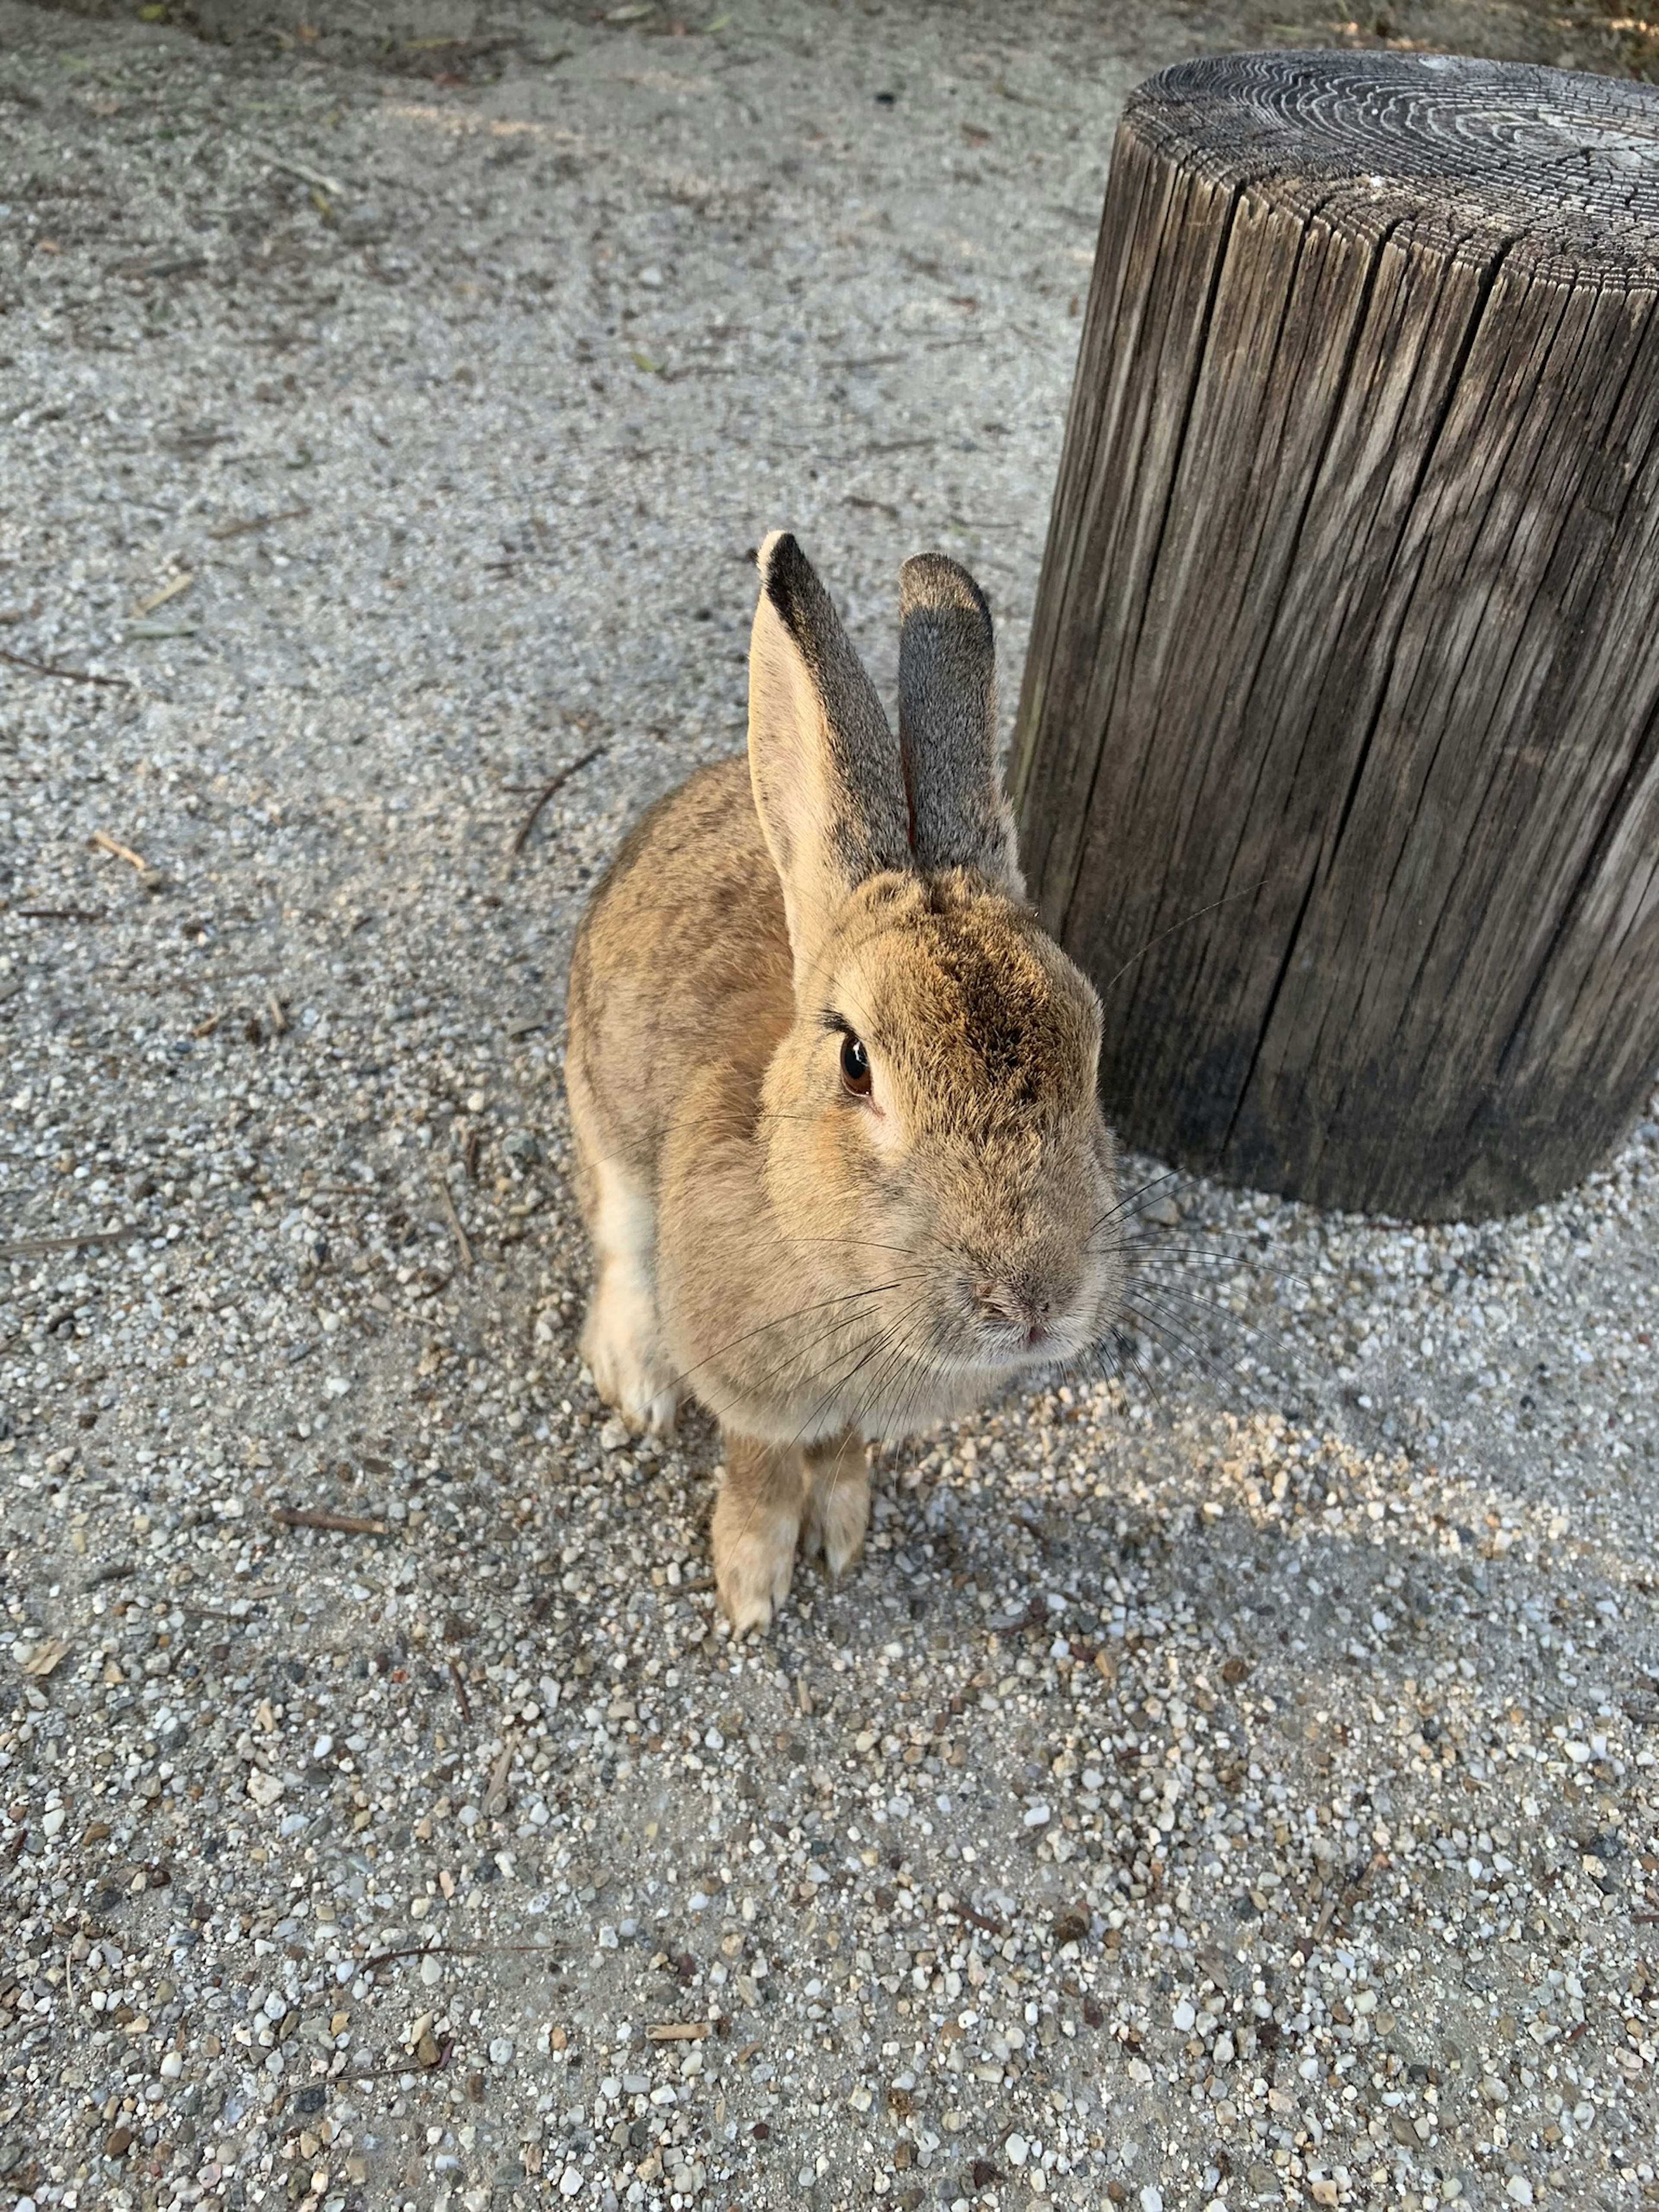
x=787 y=578
x=776 y=546
x=932 y=583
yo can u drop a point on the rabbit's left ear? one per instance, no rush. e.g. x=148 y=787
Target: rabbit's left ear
x=948 y=725
x=821 y=759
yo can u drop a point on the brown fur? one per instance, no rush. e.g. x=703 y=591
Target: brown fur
x=816 y=1268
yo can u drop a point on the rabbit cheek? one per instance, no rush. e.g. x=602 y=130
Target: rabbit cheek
x=877 y=1121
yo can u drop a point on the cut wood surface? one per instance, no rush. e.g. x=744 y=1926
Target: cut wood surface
x=1349 y=618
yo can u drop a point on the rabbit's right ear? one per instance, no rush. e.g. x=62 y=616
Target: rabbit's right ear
x=822 y=757
x=948 y=724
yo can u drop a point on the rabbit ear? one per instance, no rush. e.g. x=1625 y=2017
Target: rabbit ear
x=948 y=724
x=825 y=769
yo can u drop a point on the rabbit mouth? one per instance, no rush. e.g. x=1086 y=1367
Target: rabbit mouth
x=1017 y=1323
x=1033 y=1343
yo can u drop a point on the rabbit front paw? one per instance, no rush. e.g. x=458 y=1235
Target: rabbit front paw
x=619 y=1343
x=838 y=1503
x=754 y=1564
x=756 y=1528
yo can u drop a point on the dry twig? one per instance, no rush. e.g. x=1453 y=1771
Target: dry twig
x=306 y=1516
x=554 y=783
x=187 y=266
x=116 y=1572
x=223 y=530
x=32 y=1247
x=454 y=1219
x=332 y=186
x=495 y=1796
x=102 y=838
x=69 y=675
x=169 y=591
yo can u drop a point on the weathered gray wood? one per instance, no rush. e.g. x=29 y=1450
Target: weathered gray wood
x=1349 y=618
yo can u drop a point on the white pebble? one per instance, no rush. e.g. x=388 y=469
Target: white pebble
x=501 y=2050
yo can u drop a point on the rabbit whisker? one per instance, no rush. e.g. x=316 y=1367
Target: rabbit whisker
x=819 y=1305
x=1129 y=1198
x=1164 y=1327
x=1162 y=1323
x=1154 y=1247
x=1109 y=1370
x=825 y=1338
x=902 y=1349
x=884 y=1337
x=1197 y=914
x=867 y=1347
x=1141 y=1369
x=1193 y=1307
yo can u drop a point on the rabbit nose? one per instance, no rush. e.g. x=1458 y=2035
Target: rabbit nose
x=999 y=1300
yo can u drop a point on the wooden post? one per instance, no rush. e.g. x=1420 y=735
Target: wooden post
x=1349 y=618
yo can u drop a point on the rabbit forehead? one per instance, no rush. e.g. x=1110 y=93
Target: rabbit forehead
x=979 y=1014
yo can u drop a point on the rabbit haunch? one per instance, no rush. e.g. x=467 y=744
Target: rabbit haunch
x=824 y=1260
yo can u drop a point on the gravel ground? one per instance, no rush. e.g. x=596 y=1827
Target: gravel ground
x=1229 y=1779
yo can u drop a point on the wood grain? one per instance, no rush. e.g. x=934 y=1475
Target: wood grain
x=1349 y=618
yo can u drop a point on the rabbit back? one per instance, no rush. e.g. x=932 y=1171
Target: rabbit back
x=681 y=964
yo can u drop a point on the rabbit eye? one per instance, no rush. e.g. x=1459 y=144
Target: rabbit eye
x=855 y=1066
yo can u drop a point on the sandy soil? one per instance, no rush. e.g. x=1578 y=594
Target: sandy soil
x=1234 y=1784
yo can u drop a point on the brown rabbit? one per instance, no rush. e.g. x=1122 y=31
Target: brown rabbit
x=833 y=1088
